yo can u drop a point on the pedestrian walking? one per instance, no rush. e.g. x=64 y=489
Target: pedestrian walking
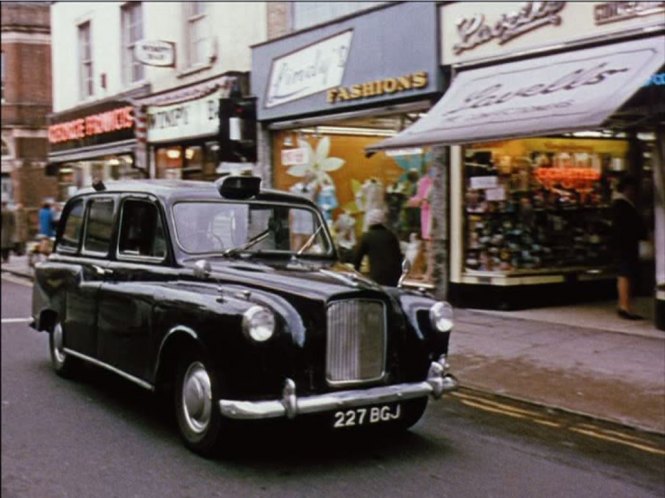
x=46 y=220
x=8 y=230
x=627 y=230
x=21 y=235
x=381 y=247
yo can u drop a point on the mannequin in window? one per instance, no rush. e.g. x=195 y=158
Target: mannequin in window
x=369 y=197
x=345 y=235
x=422 y=199
x=327 y=200
x=302 y=222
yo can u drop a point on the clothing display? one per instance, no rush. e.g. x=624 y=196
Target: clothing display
x=327 y=201
x=302 y=222
x=422 y=198
x=370 y=196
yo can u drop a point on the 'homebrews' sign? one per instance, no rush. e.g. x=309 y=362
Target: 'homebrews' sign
x=375 y=88
x=105 y=123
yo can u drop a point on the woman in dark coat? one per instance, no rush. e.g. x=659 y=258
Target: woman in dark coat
x=381 y=247
x=627 y=231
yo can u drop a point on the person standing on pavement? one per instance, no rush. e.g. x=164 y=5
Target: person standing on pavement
x=21 y=235
x=627 y=230
x=381 y=247
x=8 y=229
x=46 y=220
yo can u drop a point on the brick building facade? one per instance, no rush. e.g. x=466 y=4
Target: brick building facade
x=26 y=101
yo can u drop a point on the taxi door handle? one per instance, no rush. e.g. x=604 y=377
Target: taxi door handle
x=102 y=271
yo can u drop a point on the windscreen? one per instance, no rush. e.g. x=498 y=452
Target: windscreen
x=250 y=228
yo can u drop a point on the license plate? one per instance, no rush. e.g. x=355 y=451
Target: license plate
x=354 y=417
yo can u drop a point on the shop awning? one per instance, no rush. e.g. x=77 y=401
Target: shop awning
x=550 y=94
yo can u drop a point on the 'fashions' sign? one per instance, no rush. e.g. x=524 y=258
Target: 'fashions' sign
x=310 y=70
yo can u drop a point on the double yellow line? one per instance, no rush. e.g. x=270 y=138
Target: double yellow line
x=590 y=430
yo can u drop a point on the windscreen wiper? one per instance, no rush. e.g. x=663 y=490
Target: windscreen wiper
x=233 y=251
x=309 y=241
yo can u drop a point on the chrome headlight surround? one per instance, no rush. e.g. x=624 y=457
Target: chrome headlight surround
x=441 y=316
x=258 y=323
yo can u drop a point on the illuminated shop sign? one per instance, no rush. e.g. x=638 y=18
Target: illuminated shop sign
x=657 y=79
x=475 y=30
x=567 y=177
x=310 y=70
x=413 y=81
x=94 y=124
x=609 y=12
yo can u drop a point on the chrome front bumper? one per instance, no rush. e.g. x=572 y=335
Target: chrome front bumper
x=438 y=382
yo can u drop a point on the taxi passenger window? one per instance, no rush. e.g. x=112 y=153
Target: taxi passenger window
x=71 y=232
x=141 y=230
x=99 y=227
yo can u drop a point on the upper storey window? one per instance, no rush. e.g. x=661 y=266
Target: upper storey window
x=132 y=32
x=86 y=82
x=197 y=33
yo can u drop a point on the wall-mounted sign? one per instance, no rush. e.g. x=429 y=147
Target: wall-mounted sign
x=193 y=118
x=91 y=125
x=475 y=31
x=657 y=79
x=608 y=12
x=310 y=70
x=155 y=53
x=294 y=157
x=375 y=88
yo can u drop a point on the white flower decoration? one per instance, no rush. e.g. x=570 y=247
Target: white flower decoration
x=318 y=163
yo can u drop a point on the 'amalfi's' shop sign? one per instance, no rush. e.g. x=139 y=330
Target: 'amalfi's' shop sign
x=413 y=81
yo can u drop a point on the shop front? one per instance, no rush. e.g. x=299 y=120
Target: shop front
x=325 y=94
x=95 y=142
x=550 y=104
x=182 y=128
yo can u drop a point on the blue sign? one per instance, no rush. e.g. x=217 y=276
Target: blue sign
x=657 y=79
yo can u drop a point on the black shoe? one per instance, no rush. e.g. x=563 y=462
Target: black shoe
x=628 y=315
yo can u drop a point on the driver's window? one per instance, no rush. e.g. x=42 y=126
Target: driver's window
x=302 y=223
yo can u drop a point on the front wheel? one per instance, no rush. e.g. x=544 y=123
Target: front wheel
x=63 y=363
x=199 y=419
x=413 y=412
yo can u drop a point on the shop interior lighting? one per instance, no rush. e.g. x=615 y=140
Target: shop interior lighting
x=348 y=130
x=114 y=161
x=189 y=153
x=413 y=151
x=173 y=153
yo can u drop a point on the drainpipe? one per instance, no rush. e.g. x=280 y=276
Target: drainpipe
x=438 y=256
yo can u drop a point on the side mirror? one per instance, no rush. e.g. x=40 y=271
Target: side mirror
x=202 y=268
x=406 y=267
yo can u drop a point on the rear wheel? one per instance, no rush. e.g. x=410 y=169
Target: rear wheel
x=63 y=363
x=199 y=419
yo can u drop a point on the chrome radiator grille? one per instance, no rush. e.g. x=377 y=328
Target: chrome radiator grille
x=356 y=341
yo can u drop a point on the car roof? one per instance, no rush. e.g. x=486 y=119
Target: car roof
x=171 y=191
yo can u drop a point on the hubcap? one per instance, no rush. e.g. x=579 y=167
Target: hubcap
x=197 y=397
x=58 y=351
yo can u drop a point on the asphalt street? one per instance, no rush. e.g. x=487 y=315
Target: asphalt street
x=99 y=436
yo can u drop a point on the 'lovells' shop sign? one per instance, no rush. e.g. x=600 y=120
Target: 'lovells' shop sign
x=311 y=70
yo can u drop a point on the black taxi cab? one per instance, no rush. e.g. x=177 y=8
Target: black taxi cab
x=232 y=298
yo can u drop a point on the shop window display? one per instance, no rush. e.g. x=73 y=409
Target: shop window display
x=347 y=185
x=535 y=205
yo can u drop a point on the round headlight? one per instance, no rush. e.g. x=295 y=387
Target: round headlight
x=258 y=323
x=441 y=316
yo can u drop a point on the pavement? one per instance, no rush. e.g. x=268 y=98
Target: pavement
x=581 y=358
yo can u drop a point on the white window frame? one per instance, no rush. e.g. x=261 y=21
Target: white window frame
x=2 y=70
x=132 y=32
x=86 y=67
x=196 y=32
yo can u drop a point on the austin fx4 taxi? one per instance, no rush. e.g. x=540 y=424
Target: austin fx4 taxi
x=232 y=298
